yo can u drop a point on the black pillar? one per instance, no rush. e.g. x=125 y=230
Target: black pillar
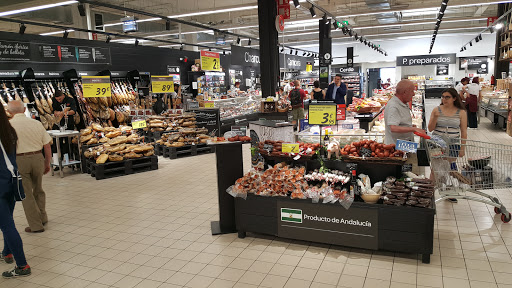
x=269 y=54
x=325 y=52
x=500 y=66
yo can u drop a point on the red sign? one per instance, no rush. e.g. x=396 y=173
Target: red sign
x=471 y=75
x=282 y=2
x=340 y=112
x=491 y=20
x=279 y=23
x=94 y=36
x=284 y=10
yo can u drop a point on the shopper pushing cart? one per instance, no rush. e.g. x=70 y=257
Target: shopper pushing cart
x=483 y=169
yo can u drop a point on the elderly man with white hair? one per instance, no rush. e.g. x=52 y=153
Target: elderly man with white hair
x=32 y=139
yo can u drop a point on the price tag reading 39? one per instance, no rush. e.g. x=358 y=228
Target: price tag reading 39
x=96 y=86
x=162 y=84
x=139 y=124
x=290 y=148
x=322 y=114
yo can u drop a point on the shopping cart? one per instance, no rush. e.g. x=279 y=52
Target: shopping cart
x=482 y=169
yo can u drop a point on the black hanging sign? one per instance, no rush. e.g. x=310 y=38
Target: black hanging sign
x=422 y=60
x=442 y=69
x=350 y=57
x=15 y=51
x=479 y=64
x=294 y=62
x=244 y=56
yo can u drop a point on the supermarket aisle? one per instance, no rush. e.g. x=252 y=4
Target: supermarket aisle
x=153 y=230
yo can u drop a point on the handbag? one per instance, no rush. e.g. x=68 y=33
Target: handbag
x=16 y=186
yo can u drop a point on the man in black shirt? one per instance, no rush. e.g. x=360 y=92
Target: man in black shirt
x=64 y=107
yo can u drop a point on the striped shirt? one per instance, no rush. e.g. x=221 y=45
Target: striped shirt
x=448 y=125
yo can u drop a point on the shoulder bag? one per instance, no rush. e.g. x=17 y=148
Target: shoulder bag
x=15 y=187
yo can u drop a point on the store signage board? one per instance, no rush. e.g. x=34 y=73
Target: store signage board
x=139 y=124
x=284 y=10
x=243 y=56
x=294 y=62
x=96 y=86
x=162 y=84
x=210 y=61
x=14 y=51
x=480 y=64
x=328 y=223
x=290 y=148
x=209 y=119
x=442 y=69
x=422 y=60
x=322 y=114
x=406 y=146
x=239 y=130
x=173 y=69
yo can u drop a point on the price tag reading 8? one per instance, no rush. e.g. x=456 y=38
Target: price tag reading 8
x=322 y=114
x=139 y=124
x=162 y=84
x=290 y=148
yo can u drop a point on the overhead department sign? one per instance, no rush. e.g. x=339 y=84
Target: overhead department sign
x=422 y=60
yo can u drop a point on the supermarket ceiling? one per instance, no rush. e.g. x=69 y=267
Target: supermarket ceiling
x=375 y=19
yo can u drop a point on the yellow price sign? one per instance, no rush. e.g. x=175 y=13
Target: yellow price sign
x=210 y=61
x=322 y=114
x=209 y=104
x=96 y=86
x=139 y=124
x=162 y=84
x=290 y=148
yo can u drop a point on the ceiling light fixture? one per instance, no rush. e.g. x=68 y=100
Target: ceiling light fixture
x=22 y=28
x=108 y=39
x=296 y=52
x=136 y=42
x=35 y=8
x=168 y=25
x=296 y=3
x=238 y=41
x=181 y=47
x=249 y=42
x=326 y=21
x=498 y=26
x=312 y=11
x=66 y=34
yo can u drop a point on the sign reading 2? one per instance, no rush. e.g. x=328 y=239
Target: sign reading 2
x=210 y=61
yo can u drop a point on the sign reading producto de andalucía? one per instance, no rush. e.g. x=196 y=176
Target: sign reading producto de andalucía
x=14 y=51
x=210 y=61
x=418 y=60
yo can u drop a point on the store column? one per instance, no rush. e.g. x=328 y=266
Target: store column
x=500 y=66
x=269 y=54
x=325 y=51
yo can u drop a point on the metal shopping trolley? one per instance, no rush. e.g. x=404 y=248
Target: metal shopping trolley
x=471 y=166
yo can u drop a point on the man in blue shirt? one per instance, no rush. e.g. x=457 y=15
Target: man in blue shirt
x=337 y=91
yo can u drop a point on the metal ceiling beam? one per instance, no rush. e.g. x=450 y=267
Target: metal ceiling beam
x=102 y=32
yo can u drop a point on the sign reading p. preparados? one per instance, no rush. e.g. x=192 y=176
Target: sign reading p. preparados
x=210 y=61
x=96 y=86
x=426 y=59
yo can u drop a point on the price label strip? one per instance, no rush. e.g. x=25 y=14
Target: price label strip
x=322 y=115
x=96 y=86
x=139 y=124
x=162 y=84
x=406 y=146
x=210 y=61
x=290 y=148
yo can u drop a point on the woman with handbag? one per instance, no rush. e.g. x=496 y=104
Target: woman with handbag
x=11 y=191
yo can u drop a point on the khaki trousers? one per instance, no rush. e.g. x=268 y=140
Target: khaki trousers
x=31 y=168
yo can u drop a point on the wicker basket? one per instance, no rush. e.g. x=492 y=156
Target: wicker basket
x=283 y=110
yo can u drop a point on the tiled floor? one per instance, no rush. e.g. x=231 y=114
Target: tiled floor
x=153 y=230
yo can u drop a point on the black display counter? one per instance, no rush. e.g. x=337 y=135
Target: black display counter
x=497 y=117
x=369 y=226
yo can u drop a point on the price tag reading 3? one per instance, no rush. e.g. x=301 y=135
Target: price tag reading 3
x=162 y=84
x=96 y=86
x=322 y=115
x=290 y=148
x=139 y=124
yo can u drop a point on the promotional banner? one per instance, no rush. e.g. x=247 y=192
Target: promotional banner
x=13 y=51
x=210 y=61
x=418 y=60
x=244 y=56
x=96 y=86
x=162 y=84
x=328 y=223
x=479 y=64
